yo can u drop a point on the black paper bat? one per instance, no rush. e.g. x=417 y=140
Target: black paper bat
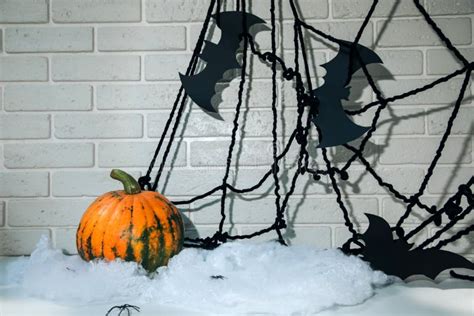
x=394 y=257
x=220 y=57
x=335 y=127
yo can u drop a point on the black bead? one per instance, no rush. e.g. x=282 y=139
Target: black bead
x=344 y=175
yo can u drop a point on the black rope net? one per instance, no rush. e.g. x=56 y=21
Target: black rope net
x=301 y=78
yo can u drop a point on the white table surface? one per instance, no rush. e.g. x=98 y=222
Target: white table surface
x=420 y=298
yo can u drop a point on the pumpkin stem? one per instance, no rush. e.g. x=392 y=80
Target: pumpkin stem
x=130 y=185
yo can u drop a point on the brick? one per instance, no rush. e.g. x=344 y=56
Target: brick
x=460 y=246
x=176 y=10
x=263 y=70
x=38 y=126
x=2 y=213
x=422 y=151
x=46 y=212
x=447 y=179
x=98 y=125
x=307 y=9
x=48 y=39
x=261 y=36
x=246 y=178
x=360 y=93
x=207 y=231
x=342 y=234
x=318 y=236
x=214 y=153
x=397 y=121
x=445 y=93
x=347 y=9
x=258 y=123
x=85 y=183
x=309 y=210
x=65 y=11
x=134 y=97
x=96 y=68
x=65 y=239
x=405 y=179
x=132 y=38
x=437 y=7
x=166 y=66
x=260 y=97
x=246 y=230
x=20 y=241
x=441 y=61
x=137 y=154
x=438 y=119
x=418 y=33
x=183 y=182
x=346 y=30
x=49 y=155
x=314 y=210
x=396 y=62
x=24 y=184
x=23 y=11
x=24 y=68
x=48 y=97
x=393 y=210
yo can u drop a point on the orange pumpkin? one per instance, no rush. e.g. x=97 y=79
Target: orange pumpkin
x=133 y=225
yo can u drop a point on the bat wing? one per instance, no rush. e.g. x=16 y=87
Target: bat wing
x=394 y=257
x=337 y=69
x=219 y=57
x=335 y=127
x=431 y=262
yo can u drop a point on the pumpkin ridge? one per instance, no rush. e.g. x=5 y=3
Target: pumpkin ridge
x=100 y=225
x=87 y=235
x=177 y=220
x=140 y=225
x=122 y=239
x=110 y=228
x=86 y=218
x=129 y=255
x=159 y=258
x=161 y=238
x=151 y=263
x=91 y=211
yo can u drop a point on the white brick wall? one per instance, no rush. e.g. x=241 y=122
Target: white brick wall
x=87 y=85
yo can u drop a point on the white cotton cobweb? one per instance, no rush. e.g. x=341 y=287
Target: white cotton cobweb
x=265 y=277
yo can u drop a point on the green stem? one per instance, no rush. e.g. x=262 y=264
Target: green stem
x=130 y=185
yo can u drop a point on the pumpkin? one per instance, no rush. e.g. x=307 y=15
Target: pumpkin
x=133 y=225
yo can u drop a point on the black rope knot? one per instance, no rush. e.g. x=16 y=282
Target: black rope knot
x=344 y=175
x=144 y=182
x=269 y=57
x=281 y=223
x=289 y=74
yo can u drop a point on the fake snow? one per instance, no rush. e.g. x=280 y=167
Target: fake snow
x=256 y=278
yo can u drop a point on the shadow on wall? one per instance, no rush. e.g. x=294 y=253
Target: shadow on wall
x=338 y=155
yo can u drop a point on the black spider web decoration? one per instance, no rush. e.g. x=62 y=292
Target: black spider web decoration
x=452 y=208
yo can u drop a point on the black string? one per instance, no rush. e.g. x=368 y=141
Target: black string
x=145 y=181
x=275 y=169
x=301 y=133
x=439 y=150
x=235 y=125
